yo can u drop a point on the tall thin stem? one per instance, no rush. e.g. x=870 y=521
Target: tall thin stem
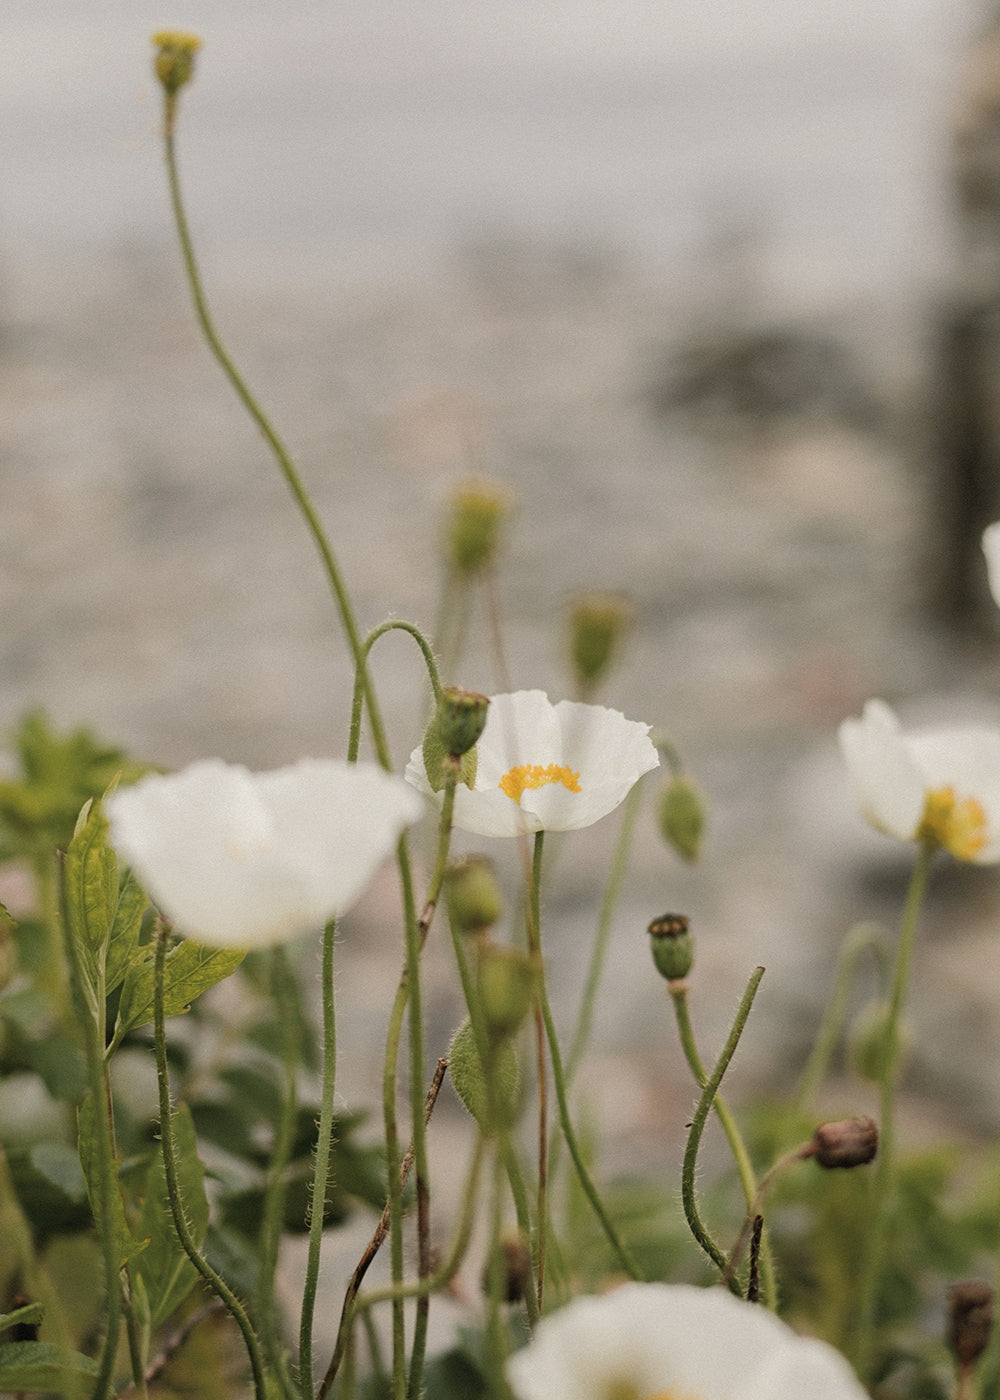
x=880 y=1203
x=214 y=1280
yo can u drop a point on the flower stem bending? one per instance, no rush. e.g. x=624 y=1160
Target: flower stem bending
x=214 y=1280
x=708 y=1097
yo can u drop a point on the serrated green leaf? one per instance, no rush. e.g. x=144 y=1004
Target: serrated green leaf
x=190 y=969
x=166 y=1272
x=40 y=1366
x=91 y=880
x=88 y=1128
x=126 y=924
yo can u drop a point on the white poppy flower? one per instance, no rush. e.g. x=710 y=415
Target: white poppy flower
x=991 y=548
x=939 y=785
x=545 y=767
x=244 y=860
x=658 y=1341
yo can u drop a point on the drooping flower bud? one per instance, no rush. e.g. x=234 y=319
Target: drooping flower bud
x=598 y=623
x=672 y=946
x=507 y=979
x=478 y=510
x=450 y=737
x=472 y=894
x=850 y=1142
x=970 y=1321
x=174 y=62
x=515 y=1266
x=682 y=816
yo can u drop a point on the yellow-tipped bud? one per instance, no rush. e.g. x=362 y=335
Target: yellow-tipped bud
x=174 y=62
x=672 y=946
x=682 y=816
x=598 y=624
x=472 y=894
x=472 y=535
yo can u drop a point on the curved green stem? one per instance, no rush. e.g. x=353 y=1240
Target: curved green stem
x=708 y=1095
x=392 y=624
x=321 y=1166
x=622 y=1253
x=274 y=442
x=214 y=1280
x=744 y=1166
x=860 y=939
x=880 y=1201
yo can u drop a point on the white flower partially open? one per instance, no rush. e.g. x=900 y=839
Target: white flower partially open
x=657 y=1341
x=244 y=860
x=991 y=548
x=545 y=767
x=938 y=785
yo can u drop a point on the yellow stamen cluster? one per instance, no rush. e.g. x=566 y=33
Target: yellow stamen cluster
x=534 y=775
x=956 y=825
x=626 y=1390
x=174 y=62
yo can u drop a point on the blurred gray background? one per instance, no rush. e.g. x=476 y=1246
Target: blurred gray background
x=696 y=280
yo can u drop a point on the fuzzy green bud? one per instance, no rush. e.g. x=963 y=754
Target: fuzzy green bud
x=441 y=763
x=461 y=719
x=682 y=816
x=598 y=623
x=174 y=62
x=672 y=946
x=507 y=981
x=472 y=894
x=469 y=1079
x=472 y=535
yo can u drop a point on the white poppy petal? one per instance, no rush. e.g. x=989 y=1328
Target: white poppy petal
x=658 y=1339
x=237 y=859
x=991 y=548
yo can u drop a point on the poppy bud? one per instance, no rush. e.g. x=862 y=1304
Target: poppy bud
x=441 y=761
x=870 y=1051
x=515 y=1269
x=682 y=816
x=507 y=981
x=672 y=946
x=598 y=622
x=850 y=1142
x=478 y=510
x=472 y=894
x=174 y=62
x=469 y=1078
x=970 y=1320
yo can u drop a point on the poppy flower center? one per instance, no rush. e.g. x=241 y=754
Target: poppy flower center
x=536 y=775
x=625 y=1390
x=958 y=825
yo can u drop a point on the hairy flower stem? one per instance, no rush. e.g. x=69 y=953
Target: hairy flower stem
x=392 y=624
x=274 y=442
x=625 y=1260
x=880 y=1202
x=744 y=1167
x=321 y=1166
x=708 y=1097
x=214 y=1280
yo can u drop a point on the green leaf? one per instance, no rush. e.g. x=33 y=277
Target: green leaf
x=164 y=1269
x=90 y=876
x=191 y=969
x=89 y=1128
x=124 y=938
x=40 y=1366
x=28 y=1316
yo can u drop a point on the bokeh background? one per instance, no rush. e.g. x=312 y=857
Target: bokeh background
x=707 y=286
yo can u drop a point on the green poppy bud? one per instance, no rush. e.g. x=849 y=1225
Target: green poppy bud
x=507 y=979
x=478 y=510
x=440 y=762
x=174 y=62
x=472 y=894
x=672 y=945
x=466 y=1070
x=461 y=719
x=598 y=623
x=682 y=816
